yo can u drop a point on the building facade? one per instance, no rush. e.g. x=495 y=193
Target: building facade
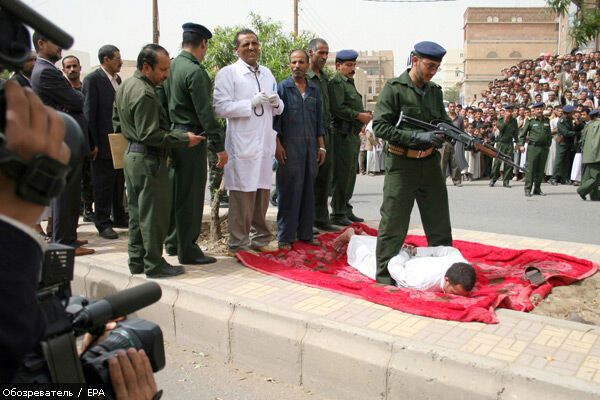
x=374 y=68
x=498 y=38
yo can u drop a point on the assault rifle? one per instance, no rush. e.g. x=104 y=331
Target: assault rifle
x=454 y=134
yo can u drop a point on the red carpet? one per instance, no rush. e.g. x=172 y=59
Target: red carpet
x=499 y=271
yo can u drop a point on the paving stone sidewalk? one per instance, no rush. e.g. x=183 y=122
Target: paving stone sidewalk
x=559 y=350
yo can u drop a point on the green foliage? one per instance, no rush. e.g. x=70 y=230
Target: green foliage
x=275 y=46
x=5 y=74
x=451 y=95
x=586 y=24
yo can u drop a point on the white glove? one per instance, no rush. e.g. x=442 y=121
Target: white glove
x=274 y=100
x=259 y=98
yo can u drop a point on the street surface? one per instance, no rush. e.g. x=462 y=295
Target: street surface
x=194 y=375
x=561 y=215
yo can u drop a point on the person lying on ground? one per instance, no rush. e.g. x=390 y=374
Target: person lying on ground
x=432 y=269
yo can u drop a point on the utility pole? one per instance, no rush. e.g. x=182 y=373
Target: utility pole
x=296 y=17
x=155 y=32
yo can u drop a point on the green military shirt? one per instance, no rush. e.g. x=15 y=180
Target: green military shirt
x=568 y=130
x=401 y=95
x=322 y=82
x=537 y=131
x=346 y=104
x=138 y=114
x=509 y=131
x=188 y=90
x=590 y=143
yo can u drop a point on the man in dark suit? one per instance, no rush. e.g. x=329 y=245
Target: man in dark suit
x=24 y=76
x=99 y=89
x=55 y=91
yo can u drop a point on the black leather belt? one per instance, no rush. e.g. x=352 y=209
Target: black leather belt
x=135 y=147
x=190 y=128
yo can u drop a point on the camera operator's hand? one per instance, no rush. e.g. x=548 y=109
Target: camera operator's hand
x=31 y=128
x=131 y=376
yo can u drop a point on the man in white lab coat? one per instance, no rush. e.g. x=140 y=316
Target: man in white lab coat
x=430 y=269
x=246 y=94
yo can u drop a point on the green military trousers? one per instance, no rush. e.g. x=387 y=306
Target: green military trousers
x=590 y=181
x=187 y=173
x=508 y=149
x=149 y=201
x=407 y=180
x=344 y=174
x=322 y=184
x=536 y=164
x=562 y=162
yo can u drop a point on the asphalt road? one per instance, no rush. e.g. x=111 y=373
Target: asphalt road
x=561 y=215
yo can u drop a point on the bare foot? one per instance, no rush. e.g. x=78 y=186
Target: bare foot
x=343 y=239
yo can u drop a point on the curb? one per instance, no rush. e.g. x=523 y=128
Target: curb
x=330 y=358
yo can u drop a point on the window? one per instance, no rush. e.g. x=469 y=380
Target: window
x=515 y=54
x=496 y=19
x=492 y=54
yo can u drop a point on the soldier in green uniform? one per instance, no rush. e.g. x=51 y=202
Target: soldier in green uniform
x=537 y=132
x=318 y=50
x=509 y=135
x=138 y=114
x=412 y=165
x=590 y=149
x=568 y=131
x=188 y=92
x=348 y=118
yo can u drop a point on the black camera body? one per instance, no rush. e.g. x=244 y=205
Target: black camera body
x=55 y=360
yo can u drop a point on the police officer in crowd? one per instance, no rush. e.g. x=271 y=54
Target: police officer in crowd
x=590 y=149
x=349 y=117
x=538 y=135
x=139 y=115
x=412 y=163
x=568 y=132
x=505 y=143
x=188 y=92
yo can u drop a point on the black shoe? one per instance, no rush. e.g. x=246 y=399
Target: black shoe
x=88 y=216
x=539 y=193
x=341 y=221
x=326 y=227
x=200 y=260
x=273 y=200
x=582 y=196
x=506 y=185
x=171 y=252
x=354 y=218
x=553 y=182
x=492 y=183
x=527 y=194
x=108 y=233
x=166 y=271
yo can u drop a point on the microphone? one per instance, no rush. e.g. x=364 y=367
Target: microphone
x=125 y=302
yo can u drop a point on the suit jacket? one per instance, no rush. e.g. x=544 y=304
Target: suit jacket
x=99 y=98
x=55 y=91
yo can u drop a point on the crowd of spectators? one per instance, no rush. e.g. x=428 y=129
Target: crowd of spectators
x=555 y=80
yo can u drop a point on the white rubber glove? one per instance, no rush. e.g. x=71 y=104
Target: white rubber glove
x=274 y=100
x=259 y=98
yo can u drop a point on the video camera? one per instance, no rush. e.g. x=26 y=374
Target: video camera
x=55 y=359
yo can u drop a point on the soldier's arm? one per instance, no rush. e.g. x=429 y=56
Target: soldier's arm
x=200 y=89
x=161 y=92
x=146 y=116
x=337 y=96
x=386 y=116
x=523 y=133
x=564 y=130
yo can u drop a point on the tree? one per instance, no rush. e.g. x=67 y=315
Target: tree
x=586 y=24
x=275 y=46
x=451 y=95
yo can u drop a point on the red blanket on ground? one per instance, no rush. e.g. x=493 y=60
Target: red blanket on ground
x=500 y=277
